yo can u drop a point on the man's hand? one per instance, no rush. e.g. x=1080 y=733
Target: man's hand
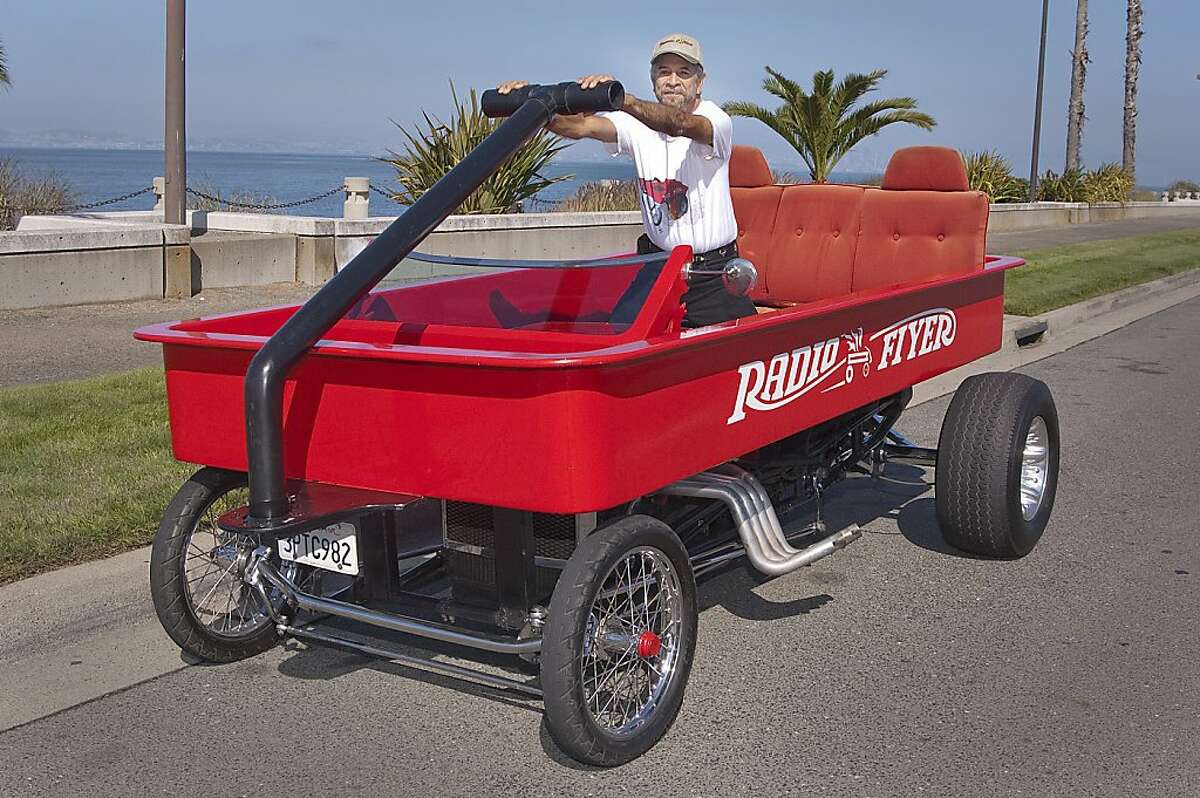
x=511 y=85
x=592 y=81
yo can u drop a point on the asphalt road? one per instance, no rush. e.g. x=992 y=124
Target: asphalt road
x=895 y=668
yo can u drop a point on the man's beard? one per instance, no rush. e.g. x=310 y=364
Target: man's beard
x=678 y=100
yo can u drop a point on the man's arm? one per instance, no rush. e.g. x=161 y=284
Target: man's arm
x=671 y=121
x=584 y=126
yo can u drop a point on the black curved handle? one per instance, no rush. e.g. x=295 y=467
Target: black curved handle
x=561 y=98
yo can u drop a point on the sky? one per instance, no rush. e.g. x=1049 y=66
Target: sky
x=302 y=75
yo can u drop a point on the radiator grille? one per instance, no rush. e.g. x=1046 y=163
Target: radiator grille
x=473 y=525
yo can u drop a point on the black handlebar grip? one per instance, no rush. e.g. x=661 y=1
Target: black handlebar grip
x=562 y=98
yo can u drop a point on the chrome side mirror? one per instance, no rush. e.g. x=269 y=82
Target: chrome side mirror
x=738 y=275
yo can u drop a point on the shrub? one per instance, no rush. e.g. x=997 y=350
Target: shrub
x=992 y=174
x=1109 y=183
x=22 y=194
x=782 y=177
x=1067 y=187
x=217 y=201
x=603 y=195
x=1184 y=185
x=430 y=153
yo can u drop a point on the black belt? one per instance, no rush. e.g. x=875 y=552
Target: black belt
x=726 y=252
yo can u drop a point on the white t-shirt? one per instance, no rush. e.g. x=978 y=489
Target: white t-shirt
x=684 y=185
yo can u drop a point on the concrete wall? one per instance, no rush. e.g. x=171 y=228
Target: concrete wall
x=228 y=259
x=1034 y=215
x=74 y=266
x=132 y=255
x=529 y=236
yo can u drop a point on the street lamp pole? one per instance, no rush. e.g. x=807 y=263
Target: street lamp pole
x=175 y=137
x=1037 y=114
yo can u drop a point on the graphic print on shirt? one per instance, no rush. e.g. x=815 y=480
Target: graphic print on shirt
x=657 y=194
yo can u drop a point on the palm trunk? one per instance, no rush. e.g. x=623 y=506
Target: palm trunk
x=1133 y=59
x=1079 y=62
x=4 y=81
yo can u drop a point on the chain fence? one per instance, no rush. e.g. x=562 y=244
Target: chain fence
x=45 y=208
x=264 y=206
x=42 y=208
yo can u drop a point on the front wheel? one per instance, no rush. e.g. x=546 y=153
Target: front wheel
x=196 y=571
x=618 y=643
x=997 y=467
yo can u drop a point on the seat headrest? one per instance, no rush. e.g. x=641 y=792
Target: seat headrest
x=926 y=169
x=748 y=168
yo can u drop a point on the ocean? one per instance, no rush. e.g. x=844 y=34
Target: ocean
x=98 y=174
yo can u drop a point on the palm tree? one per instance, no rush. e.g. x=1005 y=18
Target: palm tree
x=1079 y=62
x=824 y=124
x=4 y=79
x=1133 y=59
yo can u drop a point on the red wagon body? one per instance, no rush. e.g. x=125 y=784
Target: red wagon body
x=570 y=416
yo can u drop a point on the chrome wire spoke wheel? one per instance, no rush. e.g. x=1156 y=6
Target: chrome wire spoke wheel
x=213 y=566
x=1035 y=463
x=632 y=641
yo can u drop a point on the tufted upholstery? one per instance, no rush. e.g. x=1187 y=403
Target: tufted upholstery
x=915 y=236
x=755 y=203
x=812 y=242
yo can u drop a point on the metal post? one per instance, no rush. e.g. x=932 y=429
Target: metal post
x=1037 y=114
x=175 y=137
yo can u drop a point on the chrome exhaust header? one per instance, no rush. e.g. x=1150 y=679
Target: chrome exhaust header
x=757 y=524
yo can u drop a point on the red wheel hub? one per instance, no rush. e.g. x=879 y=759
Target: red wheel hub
x=649 y=644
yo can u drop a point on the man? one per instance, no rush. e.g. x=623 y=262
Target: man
x=680 y=146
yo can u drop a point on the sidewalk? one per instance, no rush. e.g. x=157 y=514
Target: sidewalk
x=62 y=343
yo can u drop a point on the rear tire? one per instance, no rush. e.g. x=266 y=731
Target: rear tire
x=614 y=669
x=997 y=467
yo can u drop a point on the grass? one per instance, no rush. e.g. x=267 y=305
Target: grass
x=86 y=467
x=85 y=470
x=1060 y=276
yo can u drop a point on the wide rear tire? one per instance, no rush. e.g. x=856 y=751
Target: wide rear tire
x=997 y=466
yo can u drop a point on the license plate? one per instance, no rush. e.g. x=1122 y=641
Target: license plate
x=333 y=548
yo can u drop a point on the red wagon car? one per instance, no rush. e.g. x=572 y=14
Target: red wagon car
x=492 y=462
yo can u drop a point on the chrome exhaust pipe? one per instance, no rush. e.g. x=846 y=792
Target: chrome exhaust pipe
x=757 y=523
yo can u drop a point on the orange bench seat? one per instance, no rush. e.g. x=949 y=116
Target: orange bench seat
x=817 y=241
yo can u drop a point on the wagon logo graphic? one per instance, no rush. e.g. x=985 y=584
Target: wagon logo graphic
x=833 y=363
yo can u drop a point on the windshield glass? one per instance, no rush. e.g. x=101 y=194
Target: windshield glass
x=592 y=297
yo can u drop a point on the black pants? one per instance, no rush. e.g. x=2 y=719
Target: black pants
x=705 y=302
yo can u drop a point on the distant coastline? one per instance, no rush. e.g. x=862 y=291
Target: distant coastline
x=97 y=173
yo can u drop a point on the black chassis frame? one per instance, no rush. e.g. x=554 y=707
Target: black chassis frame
x=402 y=540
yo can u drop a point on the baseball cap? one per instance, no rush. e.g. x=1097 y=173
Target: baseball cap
x=679 y=44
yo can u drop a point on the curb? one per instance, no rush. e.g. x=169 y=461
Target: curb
x=1030 y=339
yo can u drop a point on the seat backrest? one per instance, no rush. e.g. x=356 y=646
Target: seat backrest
x=922 y=224
x=814 y=242
x=755 y=203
